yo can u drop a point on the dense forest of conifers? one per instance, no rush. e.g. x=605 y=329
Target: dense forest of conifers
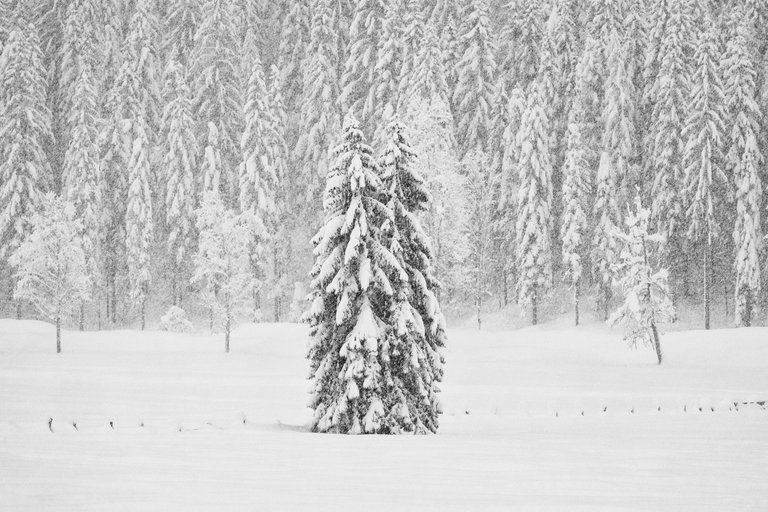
x=536 y=124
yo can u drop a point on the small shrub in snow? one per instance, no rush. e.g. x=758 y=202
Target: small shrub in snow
x=646 y=292
x=175 y=320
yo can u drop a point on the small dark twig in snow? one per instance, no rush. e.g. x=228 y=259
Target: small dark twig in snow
x=50 y=423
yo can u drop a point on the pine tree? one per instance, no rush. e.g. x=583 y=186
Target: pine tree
x=320 y=118
x=604 y=245
x=217 y=86
x=358 y=78
x=706 y=184
x=381 y=105
x=582 y=148
x=138 y=93
x=665 y=147
x=418 y=324
x=523 y=34
x=138 y=221
x=429 y=78
x=646 y=292
x=618 y=138
x=349 y=341
x=25 y=131
x=51 y=269
x=534 y=201
x=181 y=23
x=81 y=173
x=743 y=161
x=211 y=164
x=476 y=71
x=294 y=38
x=179 y=148
x=258 y=176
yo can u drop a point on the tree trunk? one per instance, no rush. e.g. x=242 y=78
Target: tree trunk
x=707 y=283
x=656 y=343
x=114 y=303
x=18 y=310
x=535 y=307
x=747 y=316
x=58 y=334
x=606 y=305
x=504 y=290
x=143 y=312
x=175 y=300
x=478 y=303
x=725 y=293
x=576 y=297
x=211 y=313
x=82 y=315
x=227 y=328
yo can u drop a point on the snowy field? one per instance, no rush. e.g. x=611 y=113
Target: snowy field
x=535 y=419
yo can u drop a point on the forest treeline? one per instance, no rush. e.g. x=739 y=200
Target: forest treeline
x=536 y=124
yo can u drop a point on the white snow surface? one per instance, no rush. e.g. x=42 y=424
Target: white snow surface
x=227 y=431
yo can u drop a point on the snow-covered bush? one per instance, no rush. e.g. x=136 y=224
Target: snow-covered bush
x=175 y=320
x=646 y=291
x=51 y=270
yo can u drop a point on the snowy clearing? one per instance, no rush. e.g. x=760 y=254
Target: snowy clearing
x=226 y=431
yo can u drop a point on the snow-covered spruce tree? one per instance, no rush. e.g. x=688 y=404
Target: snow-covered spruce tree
x=534 y=201
x=351 y=291
x=358 y=78
x=320 y=117
x=25 y=131
x=418 y=326
x=646 y=291
x=706 y=184
x=181 y=22
x=665 y=145
x=222 y=263
x=51 y=268
x=137 y=103
x=179 y=150
x=618 y=136
x=604 y=243
x=577 y=192
x=284 y=217
x=743 y=160
x=413 y=28
x=522 y=33
x=747 y=233
x=138 y=221
x=258 y=177
x=217 y=87
x=381 y=105
x=210 y=171
x=81 y=173
x=476 y=70
x=294 y=37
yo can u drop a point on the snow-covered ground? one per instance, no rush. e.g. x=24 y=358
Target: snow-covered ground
x=535 y=419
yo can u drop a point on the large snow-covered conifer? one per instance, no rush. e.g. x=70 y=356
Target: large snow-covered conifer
x=534 y=201
x=418 y=326
x=706 y=185
x=349 y=338
x=179 y=149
